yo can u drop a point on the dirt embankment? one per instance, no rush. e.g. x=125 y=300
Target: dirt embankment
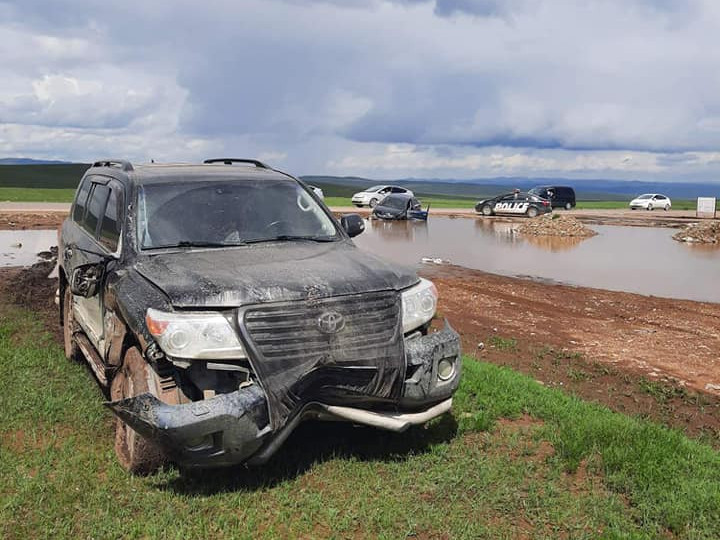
x=19 y=221
x=555 y=225
x=640 y=355
x=704 y=232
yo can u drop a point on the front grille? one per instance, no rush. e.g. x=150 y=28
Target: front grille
x=297 y=362
x=291 y=330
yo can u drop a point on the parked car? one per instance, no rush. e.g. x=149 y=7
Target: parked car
x=222 y=305
x=651 y=201
x=516 y=203
x=318 y=192
x=559 y=196
x=373 y=195
x=400 y=206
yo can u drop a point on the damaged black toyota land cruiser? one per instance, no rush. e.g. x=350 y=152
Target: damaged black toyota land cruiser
x=222 y=304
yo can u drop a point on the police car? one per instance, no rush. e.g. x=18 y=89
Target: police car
x=514 y=204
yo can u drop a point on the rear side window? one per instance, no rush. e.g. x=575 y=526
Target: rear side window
x=95 y=208
x=81 y=201
x=111 y=221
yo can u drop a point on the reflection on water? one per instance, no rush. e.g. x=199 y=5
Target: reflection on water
x=20 y=248
x=636 y=259
x=555 y=243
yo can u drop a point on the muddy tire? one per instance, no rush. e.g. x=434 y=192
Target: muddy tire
x=72 y=351
x=532 y=212
x=486 y=210
x=373 y=203
x=135 y=453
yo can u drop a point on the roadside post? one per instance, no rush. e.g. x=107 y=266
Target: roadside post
x=705 y=207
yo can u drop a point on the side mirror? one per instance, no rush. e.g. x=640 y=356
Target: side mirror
x=86 y=280
x=353 y=224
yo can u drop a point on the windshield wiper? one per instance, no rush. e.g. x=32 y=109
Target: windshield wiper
x=291 y=237
x=198 y=243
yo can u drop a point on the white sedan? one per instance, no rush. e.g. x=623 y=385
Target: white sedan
x=371 y=196
x=650 y=201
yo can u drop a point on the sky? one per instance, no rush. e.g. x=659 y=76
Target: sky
x=617 y=89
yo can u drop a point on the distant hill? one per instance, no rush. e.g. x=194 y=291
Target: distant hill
x=40 y=174
x=28 y=161
x=54 y=176
x=589 y=190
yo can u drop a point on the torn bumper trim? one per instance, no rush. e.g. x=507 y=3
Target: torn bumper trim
x=424 y=356
x=224 y=430
x=234 y=428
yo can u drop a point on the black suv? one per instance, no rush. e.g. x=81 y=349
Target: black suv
x=222 y=304
x=559 y=196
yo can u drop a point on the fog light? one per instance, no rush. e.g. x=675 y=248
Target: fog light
x=446 y=369
x=199 y=443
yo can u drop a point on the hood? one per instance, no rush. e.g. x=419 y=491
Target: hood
x=388 y=212
x=269 y=272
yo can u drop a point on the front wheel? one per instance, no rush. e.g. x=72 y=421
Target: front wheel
x=373 y=203
x=487 y=210
x=649 y=206
x=72 y=351
x=532 y=212
x=135 y=453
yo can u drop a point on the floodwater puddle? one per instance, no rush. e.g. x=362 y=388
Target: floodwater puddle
x=21 y=248
x=643 y=260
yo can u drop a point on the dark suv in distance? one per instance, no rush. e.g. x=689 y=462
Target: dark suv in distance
x=559 y=196
x=221 y=304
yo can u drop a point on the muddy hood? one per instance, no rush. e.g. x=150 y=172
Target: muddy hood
x=273 y=272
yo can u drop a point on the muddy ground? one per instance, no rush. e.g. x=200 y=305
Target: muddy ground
x=649 y=356
x=15 y=221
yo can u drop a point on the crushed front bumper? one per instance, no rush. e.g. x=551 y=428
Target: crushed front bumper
x=234 y=428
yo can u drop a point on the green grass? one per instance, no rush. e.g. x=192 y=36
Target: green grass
x=15 y=194
x=567 y=468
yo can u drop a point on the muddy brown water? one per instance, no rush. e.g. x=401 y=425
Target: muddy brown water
x=642 y=260
x=20 y=248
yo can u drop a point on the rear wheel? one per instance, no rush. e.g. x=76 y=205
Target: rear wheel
x=135 y=453
x=532 y=212
x=568 y=206
x=649 y=206
x=373 y=203
x=667 y=207
x=72 y=351
x=487 y=210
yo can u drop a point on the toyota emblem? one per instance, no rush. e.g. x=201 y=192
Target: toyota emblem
x=331 y=322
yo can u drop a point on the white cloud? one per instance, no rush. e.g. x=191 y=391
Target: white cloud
x=404 y=87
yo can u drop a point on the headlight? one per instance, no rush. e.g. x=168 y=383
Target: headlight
x=194 y=335
x=419 y=304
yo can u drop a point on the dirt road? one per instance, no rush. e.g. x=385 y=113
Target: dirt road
x=45 y=215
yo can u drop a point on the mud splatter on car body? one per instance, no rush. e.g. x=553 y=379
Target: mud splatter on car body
x=251 y=310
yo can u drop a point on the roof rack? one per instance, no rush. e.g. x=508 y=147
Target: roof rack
x=230 y=161
x=122 y=164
